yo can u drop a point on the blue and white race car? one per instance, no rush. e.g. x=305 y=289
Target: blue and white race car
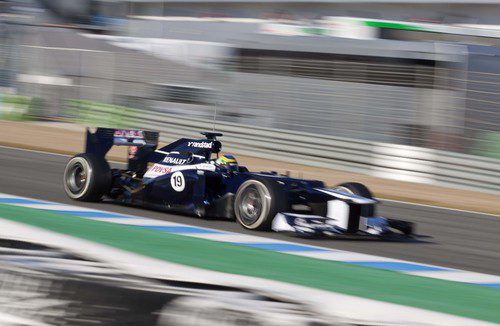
x=191 y=176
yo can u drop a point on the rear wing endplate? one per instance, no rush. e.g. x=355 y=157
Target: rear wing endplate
x=101 y=141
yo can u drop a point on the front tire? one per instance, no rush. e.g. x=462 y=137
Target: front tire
x=257 y=202
x=87 y=178
x=356 y=188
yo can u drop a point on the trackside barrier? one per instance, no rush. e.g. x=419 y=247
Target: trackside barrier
x=401 y=162
x=18 y=108
x=416 y=164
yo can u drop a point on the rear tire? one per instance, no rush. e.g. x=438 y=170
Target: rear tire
x=257 y=202
x=87 y=178
x=356 y=188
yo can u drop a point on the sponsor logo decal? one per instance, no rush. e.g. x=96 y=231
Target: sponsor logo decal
x=157 y=170
x=128 y=133
x=161 y=169
x=205 y=166
x=175 y=160
x=128 y=137
x=200 y=144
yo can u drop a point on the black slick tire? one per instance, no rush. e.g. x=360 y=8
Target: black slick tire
x=272 y=201
x=359 y=189
x=87 y=178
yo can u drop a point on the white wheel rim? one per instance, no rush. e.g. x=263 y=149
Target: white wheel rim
x=344 y=189
x=77 y=176
x=252 y=204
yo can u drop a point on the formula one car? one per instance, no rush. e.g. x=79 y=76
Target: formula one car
x=190 y=176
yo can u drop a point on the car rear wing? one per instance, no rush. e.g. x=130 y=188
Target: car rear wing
x=100 y=142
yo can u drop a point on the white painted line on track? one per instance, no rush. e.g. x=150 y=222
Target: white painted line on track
x=48 y=153
x=460 y=276
x=438 y=207
x=62 y=49
x=346 y=256
x=56 y=207
x=34 y=151
x=137 y=221
x=235 y=237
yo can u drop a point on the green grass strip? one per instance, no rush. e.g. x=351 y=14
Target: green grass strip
x=393 y=25
x=432 y=294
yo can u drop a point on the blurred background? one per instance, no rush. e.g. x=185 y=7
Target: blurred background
x=369 y=74
x=419 y=73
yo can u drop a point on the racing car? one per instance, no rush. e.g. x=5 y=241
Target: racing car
x=192 y=176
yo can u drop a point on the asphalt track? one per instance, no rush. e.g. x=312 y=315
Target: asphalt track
x=447 y=238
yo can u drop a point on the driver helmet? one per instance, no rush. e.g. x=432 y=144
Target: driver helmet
x=227 y=161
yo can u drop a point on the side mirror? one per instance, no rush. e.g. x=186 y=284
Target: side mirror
x=216 y=147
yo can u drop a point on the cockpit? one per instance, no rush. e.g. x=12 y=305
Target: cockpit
x=227 y=162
